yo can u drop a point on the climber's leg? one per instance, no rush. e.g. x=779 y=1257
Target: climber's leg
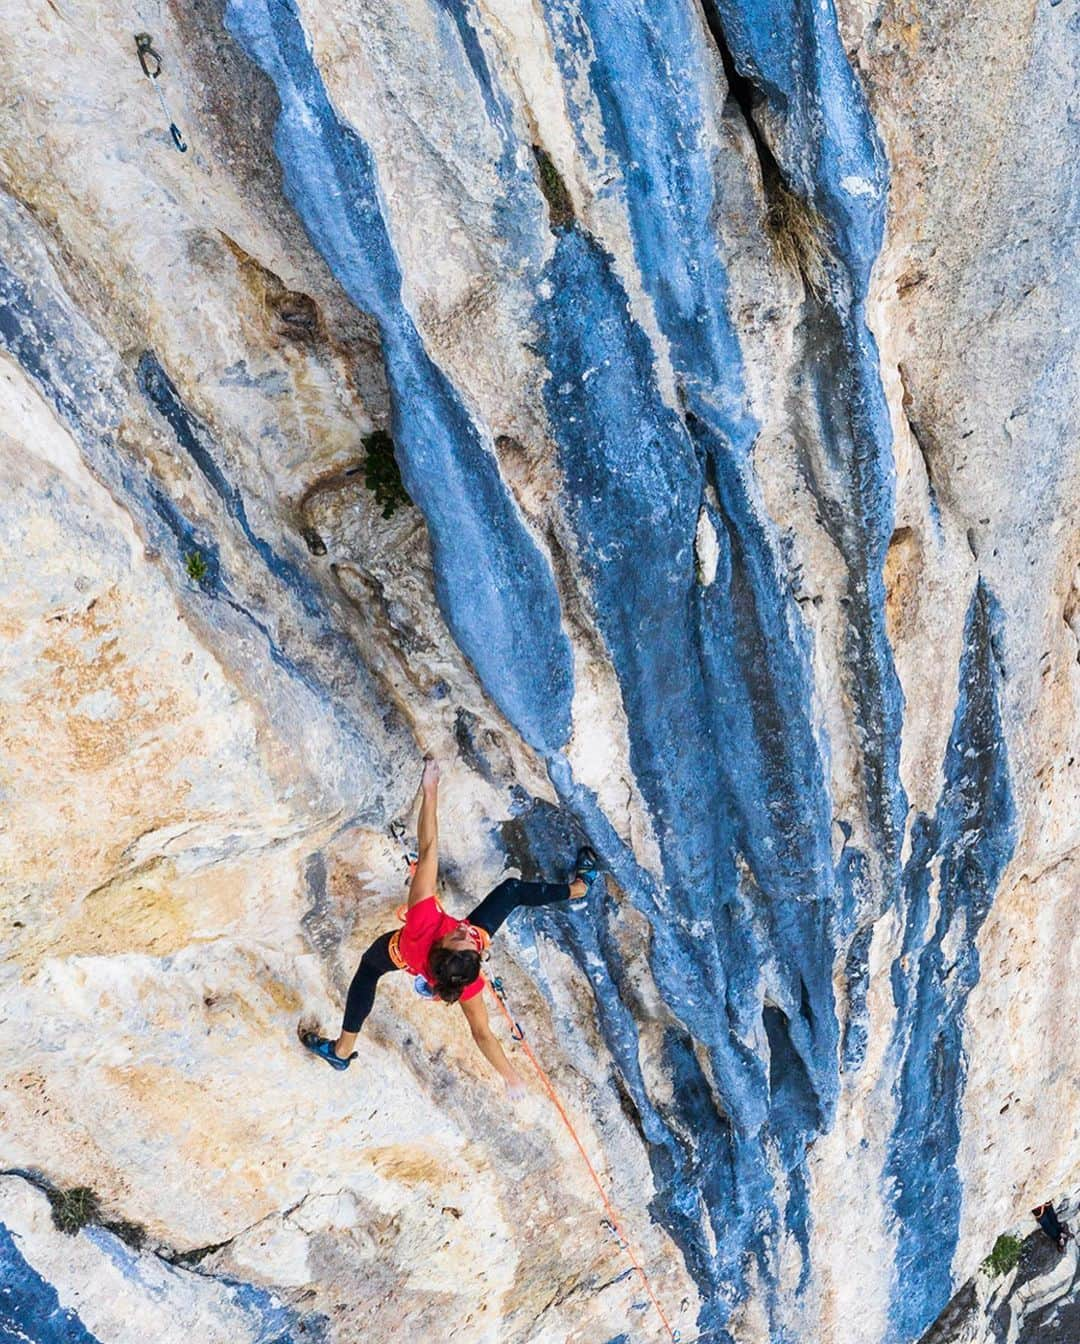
x=374 y=964
x=1046 y=1216
x=492 y=911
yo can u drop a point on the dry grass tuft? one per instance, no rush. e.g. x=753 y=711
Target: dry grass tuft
x=800 y=238
x=79 y=1207
x=74 y=1209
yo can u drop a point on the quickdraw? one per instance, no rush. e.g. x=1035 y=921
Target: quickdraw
x=517 y=1032
x=397 y=832
x=151 y=68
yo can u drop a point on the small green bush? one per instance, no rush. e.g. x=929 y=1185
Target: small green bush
x=80 y=1207
x=196 y=566
x=560 y=206
x=73 y=1209
x=1004 y=1257
x=382 y=475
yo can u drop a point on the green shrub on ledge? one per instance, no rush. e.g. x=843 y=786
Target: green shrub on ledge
x=1004 y=1257
x=382 y=476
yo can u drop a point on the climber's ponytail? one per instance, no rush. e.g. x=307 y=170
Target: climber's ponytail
x=452 y=971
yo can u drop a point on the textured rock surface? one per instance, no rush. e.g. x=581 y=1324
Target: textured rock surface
x=728 y=355
x=1038 y=1300
x=75 y=1289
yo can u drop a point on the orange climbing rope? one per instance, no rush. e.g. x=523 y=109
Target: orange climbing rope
x=495 y=985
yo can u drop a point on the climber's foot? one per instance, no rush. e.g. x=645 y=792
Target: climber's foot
x=319 y=1045
x=586 y=875
x=587 y=865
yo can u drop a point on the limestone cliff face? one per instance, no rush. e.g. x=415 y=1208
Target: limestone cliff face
x=726 y=353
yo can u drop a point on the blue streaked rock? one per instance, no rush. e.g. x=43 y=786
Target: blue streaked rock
x=971 y=836
x=494 y=586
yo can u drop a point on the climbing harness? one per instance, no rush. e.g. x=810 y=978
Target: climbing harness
x=495 y=984
x=421 y=984
x=151 y=68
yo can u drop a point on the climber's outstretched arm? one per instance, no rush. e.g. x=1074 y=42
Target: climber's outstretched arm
x=476 y=1015
x=427 y=835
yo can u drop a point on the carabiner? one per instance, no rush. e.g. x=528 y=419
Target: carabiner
x=144 y=45
x=178 y=139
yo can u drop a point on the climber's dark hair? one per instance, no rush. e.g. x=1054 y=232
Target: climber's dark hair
x=452 y=971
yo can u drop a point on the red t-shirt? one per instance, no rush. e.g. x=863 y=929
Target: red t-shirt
x=425 y=923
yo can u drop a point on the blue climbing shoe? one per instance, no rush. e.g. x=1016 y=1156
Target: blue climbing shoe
x=587 y=868
x=319 y=1045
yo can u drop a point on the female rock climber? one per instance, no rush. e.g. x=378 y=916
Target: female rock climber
x=443 y=952
x=1058 y=1232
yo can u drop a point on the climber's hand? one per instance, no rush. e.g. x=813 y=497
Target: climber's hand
x=515 y=1088
x=431 y=773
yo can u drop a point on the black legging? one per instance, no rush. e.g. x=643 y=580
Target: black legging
x=1046 y=1217
x=489 y=915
